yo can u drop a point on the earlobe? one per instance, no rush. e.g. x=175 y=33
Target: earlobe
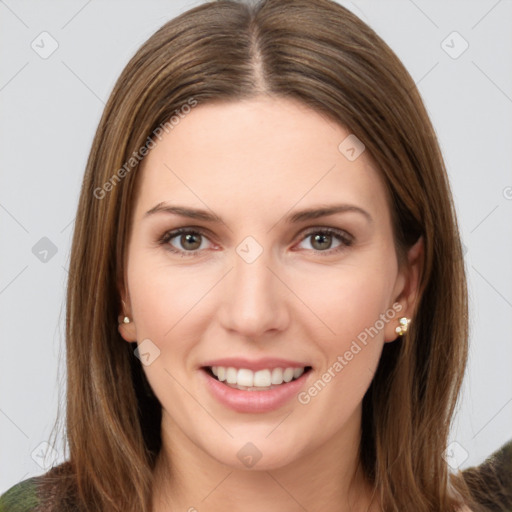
x=127 y=328
x=126 y=325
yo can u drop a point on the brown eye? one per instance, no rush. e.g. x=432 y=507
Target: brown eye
x=190 y=241
x=186 y=242
x=321 y=240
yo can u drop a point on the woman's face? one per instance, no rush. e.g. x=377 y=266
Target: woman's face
x=255 y=284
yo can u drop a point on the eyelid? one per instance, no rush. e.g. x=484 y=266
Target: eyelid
x=330 y=230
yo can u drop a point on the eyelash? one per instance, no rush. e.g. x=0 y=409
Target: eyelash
x=342 y=236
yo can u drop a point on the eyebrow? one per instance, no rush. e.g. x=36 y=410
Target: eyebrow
x=296 y=217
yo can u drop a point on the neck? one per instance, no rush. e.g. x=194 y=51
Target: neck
x=328 y=478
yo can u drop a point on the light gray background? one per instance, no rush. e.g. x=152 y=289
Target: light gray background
x=49 y=112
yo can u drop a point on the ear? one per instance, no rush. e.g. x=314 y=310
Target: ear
x=127 y=330
x=407 y=289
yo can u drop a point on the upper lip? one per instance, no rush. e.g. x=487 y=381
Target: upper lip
x=255 y=364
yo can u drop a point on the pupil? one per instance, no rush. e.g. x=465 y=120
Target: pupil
x=320 y=237
x=187 y=239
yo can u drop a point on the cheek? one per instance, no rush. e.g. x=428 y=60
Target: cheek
x=354 y=306
x=163 y=296
x=348 y=301
x=166 y=302
x=350 y=356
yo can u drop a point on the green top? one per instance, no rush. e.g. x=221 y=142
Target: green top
x=493 y=474
x=22 y=497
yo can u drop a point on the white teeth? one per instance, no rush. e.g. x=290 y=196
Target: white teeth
x=298 y=372
x=288 y=374
x=262 y=378
x=277 y=376
x=246 y=378
x=231 y=375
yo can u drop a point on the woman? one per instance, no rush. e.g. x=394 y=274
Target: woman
x=256 y=369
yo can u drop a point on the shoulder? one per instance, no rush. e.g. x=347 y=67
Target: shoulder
x=21 y=497
x=497 y=468
x=490 y=483
x=40 y=493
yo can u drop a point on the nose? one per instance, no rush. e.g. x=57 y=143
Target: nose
x=253 y=299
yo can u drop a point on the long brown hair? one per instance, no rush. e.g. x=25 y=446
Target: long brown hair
x=320 y=53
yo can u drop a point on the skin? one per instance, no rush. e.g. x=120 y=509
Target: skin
x=252 y=163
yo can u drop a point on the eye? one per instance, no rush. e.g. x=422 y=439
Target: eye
x=322 y=239
x=189 y=239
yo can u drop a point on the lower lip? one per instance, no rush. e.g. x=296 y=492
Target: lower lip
x=254 y=401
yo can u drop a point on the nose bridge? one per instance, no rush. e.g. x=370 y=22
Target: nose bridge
x=251 y=296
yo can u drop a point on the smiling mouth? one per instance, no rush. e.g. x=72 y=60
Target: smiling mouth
x=261 y=380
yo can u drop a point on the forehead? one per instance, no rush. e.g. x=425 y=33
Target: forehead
x=256 y=156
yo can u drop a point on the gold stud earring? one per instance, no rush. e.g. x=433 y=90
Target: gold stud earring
x=402 y=328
